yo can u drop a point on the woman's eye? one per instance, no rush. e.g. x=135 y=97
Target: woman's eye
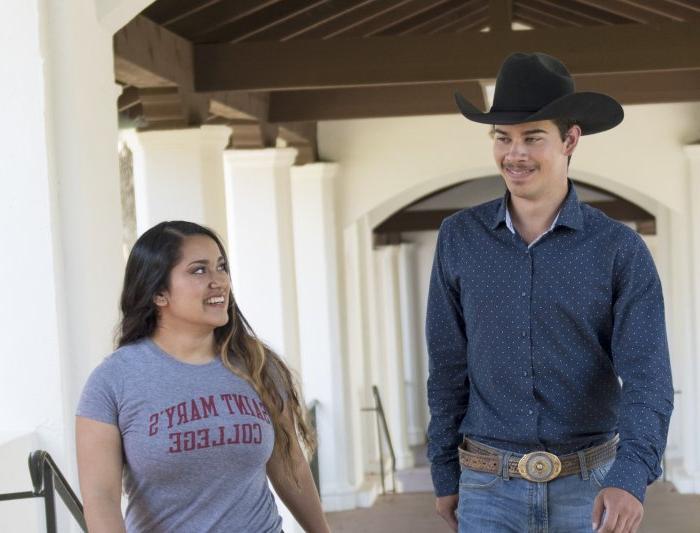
x=222 y=267
x=199 y=270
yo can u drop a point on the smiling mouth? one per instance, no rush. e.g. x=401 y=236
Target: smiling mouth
x=215 y=300
x=518 y=172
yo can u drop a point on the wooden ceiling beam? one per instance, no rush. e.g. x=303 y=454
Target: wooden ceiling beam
x=425 y=59
x=437 y=99
x=500 y=15
x=628 y=11
x=475 y=24
x=335 y=104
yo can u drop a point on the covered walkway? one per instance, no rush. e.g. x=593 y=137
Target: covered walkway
x=666 y=511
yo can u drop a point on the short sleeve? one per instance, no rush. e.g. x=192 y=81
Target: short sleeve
x=100 y=398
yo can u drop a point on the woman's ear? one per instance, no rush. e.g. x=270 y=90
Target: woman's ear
x=160 y=300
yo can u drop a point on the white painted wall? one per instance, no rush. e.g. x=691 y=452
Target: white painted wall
x=60 y=210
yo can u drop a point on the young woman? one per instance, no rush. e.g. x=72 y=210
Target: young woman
x=192 y=413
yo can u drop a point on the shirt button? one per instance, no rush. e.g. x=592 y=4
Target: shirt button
x=525 y=373
x=523 y=334
x=529 y=412
x=523 y=294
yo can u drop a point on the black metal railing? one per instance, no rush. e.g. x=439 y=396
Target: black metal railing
x=313 y=461
x=383 y=429
x=47 y=479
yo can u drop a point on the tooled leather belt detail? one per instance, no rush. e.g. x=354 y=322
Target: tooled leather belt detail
x=538 y=466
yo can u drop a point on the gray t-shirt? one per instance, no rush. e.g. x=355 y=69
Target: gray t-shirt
x=196 y=440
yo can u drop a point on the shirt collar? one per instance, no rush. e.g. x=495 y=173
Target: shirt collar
x=569 y=215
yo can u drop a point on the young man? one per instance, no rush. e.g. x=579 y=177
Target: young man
x=550 y=384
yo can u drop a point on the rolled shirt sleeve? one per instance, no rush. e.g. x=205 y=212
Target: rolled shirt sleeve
x=448 y=386
x=639 y=351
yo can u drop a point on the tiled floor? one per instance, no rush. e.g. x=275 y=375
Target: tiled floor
x=666 y=511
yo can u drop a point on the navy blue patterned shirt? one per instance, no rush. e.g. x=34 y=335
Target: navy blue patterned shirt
x=555 y=347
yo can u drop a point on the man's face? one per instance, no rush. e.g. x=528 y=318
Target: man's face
x=532 y=157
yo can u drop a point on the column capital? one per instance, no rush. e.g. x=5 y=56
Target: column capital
x=190 y=137
x=261 y=157
x=217 y=135
x=320 y=171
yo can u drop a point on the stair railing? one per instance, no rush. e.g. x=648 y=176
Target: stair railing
x=47 y=479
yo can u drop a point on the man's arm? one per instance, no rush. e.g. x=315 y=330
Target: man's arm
x=640 y=357
x=448 y=387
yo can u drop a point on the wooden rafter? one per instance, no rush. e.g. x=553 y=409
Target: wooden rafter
x=259 y=21
x=674 y=11
x=308 y=20
x=427 y=12
x=380 y=20
x=566 y=16
x=548 y=16
x=459 y=20
x=425 y=59
x=449 y=12
x=166 y=12
x=500 y=15
x=216 y=15
x=628 y=11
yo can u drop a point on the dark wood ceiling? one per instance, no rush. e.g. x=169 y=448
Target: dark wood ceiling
x=273 y=68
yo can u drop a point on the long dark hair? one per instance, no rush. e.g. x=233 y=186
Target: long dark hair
x=148 y=269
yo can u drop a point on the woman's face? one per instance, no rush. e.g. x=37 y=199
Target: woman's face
x=198 y=292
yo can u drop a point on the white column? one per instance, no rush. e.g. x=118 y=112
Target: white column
x=392 y=387
x=687 y=233
x=324 y=367
x=410 y=342
x=178 y=175
x=261 y=251
x=60 y=212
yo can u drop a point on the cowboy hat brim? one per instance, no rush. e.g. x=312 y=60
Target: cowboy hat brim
x=593 y=112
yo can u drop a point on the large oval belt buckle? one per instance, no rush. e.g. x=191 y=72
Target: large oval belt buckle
x=539 y=467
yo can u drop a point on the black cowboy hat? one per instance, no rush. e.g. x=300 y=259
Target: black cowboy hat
x=532 y=87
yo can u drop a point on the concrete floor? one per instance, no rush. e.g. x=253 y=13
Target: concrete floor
x=665 y=511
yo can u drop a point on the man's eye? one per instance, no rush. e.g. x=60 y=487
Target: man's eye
x=531 y=139
x=502 y=139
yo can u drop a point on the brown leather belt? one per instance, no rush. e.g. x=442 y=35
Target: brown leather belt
x=538 y=466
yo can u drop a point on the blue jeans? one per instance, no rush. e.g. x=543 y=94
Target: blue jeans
x=490 y=503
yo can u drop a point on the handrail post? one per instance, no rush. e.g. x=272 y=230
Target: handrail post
x=49 y=501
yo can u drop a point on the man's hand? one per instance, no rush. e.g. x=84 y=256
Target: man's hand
x=623 y=512
x=446 y=507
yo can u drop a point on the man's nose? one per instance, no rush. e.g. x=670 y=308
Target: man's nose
x=516 y=150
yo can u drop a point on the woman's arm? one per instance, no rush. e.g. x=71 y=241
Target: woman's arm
x=99 y=447
x=303 y=502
